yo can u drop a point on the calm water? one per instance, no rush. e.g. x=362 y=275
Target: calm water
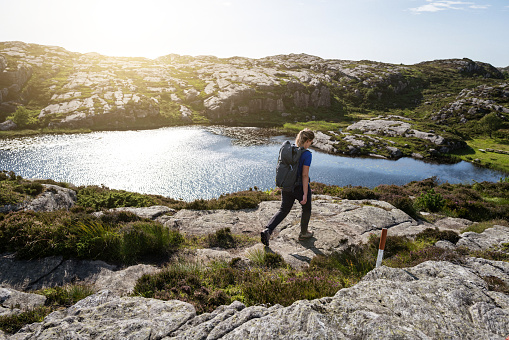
x=191 y=163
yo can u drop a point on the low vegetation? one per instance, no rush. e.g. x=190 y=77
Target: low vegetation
x=266 y=279
x=90 y=231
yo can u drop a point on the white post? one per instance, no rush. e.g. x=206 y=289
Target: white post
x=381 y=247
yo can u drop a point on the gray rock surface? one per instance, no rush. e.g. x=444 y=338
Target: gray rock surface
x=492 y=237
x=383 y=126
x=151 y=213
x=14 y=302
x=8 y=124
x=53 y=198
x=434 y=300
x=54 y=271
x=119 y=282
x=451 y=223
x=106 y=316
x=336 y=224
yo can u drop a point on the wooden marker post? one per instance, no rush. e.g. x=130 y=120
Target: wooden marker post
x=381 y=248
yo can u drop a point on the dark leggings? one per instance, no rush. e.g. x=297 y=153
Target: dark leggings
x=287 y=200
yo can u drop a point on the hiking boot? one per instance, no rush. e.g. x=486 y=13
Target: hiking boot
x=265 y=235
x=305 y=236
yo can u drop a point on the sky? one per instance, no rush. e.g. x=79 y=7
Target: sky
x=391 y=31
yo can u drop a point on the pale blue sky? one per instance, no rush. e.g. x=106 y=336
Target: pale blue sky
x=394 y=31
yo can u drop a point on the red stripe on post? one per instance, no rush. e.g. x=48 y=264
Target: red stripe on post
x=382 y=239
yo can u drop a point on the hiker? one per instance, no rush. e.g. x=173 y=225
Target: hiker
x=299 y=191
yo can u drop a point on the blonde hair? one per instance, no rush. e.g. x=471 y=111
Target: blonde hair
x=304 y=136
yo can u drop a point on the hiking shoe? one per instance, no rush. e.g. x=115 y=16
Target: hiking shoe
x=265 y=235
x=305 y=236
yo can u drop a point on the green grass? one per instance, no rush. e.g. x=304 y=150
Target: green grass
x=489 y=159
x=315 y=126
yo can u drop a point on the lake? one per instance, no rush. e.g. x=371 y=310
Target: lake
x=193 y=162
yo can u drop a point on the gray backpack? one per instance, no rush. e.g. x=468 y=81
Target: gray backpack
x=288 y=166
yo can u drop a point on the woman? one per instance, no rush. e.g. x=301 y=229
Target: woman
x=301 y=193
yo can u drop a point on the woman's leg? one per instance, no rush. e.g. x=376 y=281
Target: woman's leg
x=286 y=206
x=306 y=214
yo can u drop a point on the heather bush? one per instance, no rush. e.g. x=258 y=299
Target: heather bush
x=357 y=193
x=430 y=253
x=432 y=235
x=324 y=189
x=222 y=238
x=430 y=201
x=14 y=189
x=496 y=284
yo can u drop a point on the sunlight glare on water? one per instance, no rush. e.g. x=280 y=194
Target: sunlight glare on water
x=191 y=162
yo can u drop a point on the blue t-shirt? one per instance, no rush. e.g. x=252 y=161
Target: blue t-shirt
x=305 y=159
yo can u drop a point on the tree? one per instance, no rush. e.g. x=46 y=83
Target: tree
x=491 y=122
x=23 y=117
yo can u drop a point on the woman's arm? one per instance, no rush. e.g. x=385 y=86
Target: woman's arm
x=305 y=183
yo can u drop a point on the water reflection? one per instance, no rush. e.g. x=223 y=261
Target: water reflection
x=193 y=162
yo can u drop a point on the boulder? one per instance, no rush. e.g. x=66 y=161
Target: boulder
x=53 y=198
x=8 y=124
x=119 y=282
x=14 y=302
x=151 y=213
x=24 y=275
x=323 y=142
x=491 y=237
x=451 y=223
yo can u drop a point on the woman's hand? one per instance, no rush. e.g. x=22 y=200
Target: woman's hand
x=304 y=199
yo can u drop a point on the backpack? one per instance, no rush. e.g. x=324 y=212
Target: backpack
x=288 y=166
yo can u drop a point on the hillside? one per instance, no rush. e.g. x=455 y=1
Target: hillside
x=456 y=99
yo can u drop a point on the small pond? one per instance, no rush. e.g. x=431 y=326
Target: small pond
x=196 y=162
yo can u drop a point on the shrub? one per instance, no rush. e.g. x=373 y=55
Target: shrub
x=273 y=260
x=355 y=261
x=432 y=235
x=430 y=201
x=358 y=193
x=222 y=238
x=431 y=253
x=496 y=284
x=237 y=203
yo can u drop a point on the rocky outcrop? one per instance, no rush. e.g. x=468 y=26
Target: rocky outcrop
x=53 y=198
x=12 y=80
x=433 y=300
x=8 y=124
x=25 y=275
x=371 y=137
x=467 y=67
x=473 y=104
x=490 y=238
x=336 y=223
x=152 y=212
x=15 y=302
x=93 y=90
